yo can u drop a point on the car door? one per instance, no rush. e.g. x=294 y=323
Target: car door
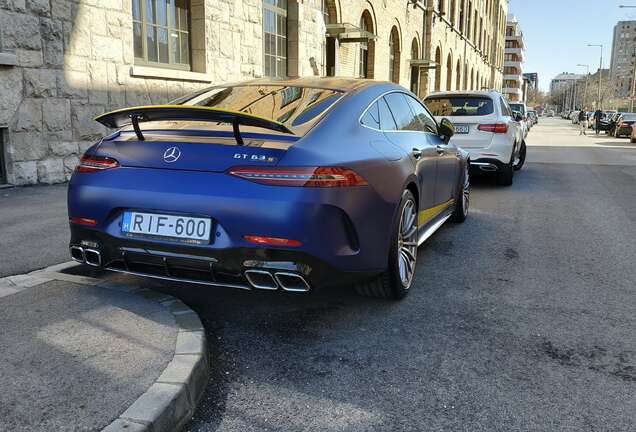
x=409 y=135
x=447 y=154
x=515 y=129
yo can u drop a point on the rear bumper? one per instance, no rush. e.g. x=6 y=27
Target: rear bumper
x=243 y=268
x=343 y=231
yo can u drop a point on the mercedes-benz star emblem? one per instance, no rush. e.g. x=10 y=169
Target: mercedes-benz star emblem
x=171 y=154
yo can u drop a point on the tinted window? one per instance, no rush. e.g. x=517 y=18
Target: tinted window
x=371 y=118
x=628 y=117
x=518 y=107
x=505 y=109
x=386 y=118
x=404 y=118
x=460 y=106
x=426 y=122
x=297 y=107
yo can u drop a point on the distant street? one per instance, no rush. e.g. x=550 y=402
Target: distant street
x=520 y=319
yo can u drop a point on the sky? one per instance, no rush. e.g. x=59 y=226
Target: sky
x=556 y=34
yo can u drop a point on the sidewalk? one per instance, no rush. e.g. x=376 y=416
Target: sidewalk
x=77 y=353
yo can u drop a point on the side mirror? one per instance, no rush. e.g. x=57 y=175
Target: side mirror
x=517 y=116
x=446 y=130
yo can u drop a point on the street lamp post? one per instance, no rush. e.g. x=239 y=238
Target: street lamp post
x=600 y=73
x=586 y=77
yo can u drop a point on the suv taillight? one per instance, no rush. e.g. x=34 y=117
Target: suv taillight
x=300 y=176
x=494 y=128
x=89 y=164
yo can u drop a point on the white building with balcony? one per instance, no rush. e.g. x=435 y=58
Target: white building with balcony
x=513 y=59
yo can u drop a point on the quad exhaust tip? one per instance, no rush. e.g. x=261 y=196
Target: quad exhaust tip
x=262 y=279
x=82 y=255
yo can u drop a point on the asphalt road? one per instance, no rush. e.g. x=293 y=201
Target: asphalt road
x=33 y=228
x=520 y=319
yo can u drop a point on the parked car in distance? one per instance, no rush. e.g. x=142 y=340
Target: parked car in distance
x=287 y=185
x=624 y=125
x=574 y=116
x=549 y=113
x=521 y=108
x=611 y=123
x=485 y=127
x=533 y=118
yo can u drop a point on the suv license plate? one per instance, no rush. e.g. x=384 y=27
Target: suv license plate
x=184 y=228
x=461 y=128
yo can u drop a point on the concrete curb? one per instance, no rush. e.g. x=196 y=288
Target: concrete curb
x=170 y=402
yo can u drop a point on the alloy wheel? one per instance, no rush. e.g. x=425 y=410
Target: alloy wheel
x=466 y=192
x=407 y=243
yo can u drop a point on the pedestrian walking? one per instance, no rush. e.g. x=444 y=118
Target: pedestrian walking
x=583 y=121
x=598 y=116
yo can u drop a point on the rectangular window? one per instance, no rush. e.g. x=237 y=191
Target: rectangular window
x=275 y=38
x=3 y=171
x=161 y=33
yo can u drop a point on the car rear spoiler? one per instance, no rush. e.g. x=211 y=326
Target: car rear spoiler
x=136 y=115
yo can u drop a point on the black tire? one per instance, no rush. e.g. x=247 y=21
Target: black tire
x=462 y=198
x=522 y=157
x=506 y=172
x=389 y=285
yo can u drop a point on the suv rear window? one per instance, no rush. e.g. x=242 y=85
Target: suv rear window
x=459 y=106
x=518 y=107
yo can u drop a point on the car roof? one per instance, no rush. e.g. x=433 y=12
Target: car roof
x=342 y=84
x=490 y=93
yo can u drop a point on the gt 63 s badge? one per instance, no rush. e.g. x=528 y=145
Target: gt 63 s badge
x=259 y=158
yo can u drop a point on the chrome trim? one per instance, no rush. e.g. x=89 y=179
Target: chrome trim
x=248 y=274
x=430 y=230
x=173 y=279
x=485 y=166
x=81 y=249
x=99 y=257
x=167 y=254
x=384 y=131
x=279 y=265
x=277 y=274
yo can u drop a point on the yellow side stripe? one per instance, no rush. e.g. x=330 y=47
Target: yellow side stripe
x=424 y=216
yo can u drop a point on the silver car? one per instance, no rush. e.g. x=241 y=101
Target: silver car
x=485 y=127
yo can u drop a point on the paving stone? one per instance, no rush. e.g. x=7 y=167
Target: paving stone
x=161 y=407
x=190 y=342
x=121 y=425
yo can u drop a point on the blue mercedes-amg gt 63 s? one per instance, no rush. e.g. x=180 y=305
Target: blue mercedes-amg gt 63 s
x=270 y=184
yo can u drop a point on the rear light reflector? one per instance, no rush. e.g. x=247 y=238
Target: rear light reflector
x=272 y=241
x=82 y=221
x=300 y=176
x=494 y=128
x=89 y=164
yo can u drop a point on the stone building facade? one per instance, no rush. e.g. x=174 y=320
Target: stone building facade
x=63 y=62
x=623 y=60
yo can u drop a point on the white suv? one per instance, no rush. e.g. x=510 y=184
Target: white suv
x=485 y=127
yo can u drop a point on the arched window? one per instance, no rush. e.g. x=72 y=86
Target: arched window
x=367 y=49
x=472 y=79
x=466 y=76
x=453 y=7
x=415 y=71
x=449 y=73
x=477 y=82
x=458 y=75
x=438 y=69
x=394 y=55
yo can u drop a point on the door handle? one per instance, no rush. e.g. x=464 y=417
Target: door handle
x=440 y=150
x=417 y=153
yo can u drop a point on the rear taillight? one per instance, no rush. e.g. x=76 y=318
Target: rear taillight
x=301 y=176
x=82 y=221
x=494 y=128
x=89 y=164
x=272 y=241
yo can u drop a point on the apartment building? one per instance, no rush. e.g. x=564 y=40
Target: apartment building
x=513 y=60
x=63 y=62
x=622 y=60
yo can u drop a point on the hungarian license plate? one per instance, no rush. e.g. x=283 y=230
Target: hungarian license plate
x=180 y=228
x=461 y=128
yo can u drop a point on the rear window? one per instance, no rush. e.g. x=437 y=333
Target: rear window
x=459 y=106
x=518 y=107
x=628 y=117
x=298 y=108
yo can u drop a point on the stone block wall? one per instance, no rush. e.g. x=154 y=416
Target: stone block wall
x=74 y=59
